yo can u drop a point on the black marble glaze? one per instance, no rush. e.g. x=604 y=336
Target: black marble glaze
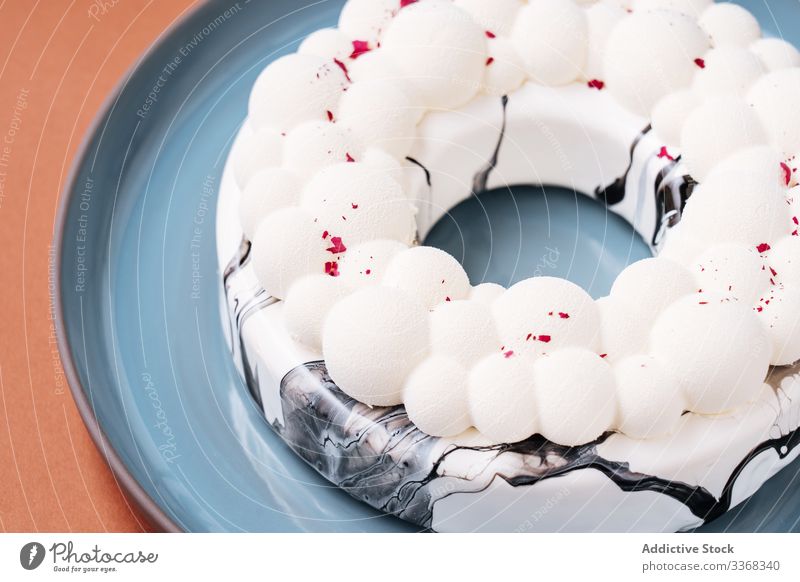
x=375 y=454
x=672 y=192
x=379 y=456
x=672 y=188
x=243 y=310
x=481 y=179
x=782 y=446
x=239 y=260
x=243 y=305
x=614 y=193
x=423 y=168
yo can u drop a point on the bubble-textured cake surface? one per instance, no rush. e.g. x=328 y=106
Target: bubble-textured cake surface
x=363 y=148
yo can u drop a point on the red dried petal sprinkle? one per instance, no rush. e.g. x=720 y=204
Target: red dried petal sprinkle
x=325 y=235
x=794 y=233
x=759 y=309
x=404 y=3
x=794 y=219
x=563 y=315
x=763 y=248
x=490 y=34
x=359 y=48
x=508 y=354
x=700 y=63
x=349 y=158
x=354 y=205
x=787 y=173
x=544 y=338
x=665 y=154
x=603 y=355
x=596 y=84
x=773 y=271
x=343 y=67
x=703 y=302
x=332 y=268
x=447 y=299
x=337 y=246
x=489 y=61
x=368 y=272
x=530 y=335
x=330 y=115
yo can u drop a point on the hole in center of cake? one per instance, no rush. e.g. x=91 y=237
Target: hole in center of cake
x=509 y=234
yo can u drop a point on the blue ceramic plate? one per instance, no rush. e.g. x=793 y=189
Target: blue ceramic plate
x=141 y=333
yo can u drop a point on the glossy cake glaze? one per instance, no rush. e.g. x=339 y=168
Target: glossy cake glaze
x=377 y=455
x=638 y=460
x=616 y=483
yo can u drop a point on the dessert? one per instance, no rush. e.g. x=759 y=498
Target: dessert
x=462 y=407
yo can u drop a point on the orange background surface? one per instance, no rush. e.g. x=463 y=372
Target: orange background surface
x=58 y=61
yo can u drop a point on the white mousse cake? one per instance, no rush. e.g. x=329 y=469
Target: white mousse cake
x=461 y=407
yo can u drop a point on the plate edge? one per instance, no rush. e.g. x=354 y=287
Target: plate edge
x=149 y=509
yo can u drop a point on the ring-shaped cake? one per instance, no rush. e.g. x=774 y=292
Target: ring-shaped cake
x=461 y=407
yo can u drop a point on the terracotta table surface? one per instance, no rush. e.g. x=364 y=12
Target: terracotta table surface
x=58 y=61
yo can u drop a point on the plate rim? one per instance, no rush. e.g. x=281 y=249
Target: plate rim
x=133 y=491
